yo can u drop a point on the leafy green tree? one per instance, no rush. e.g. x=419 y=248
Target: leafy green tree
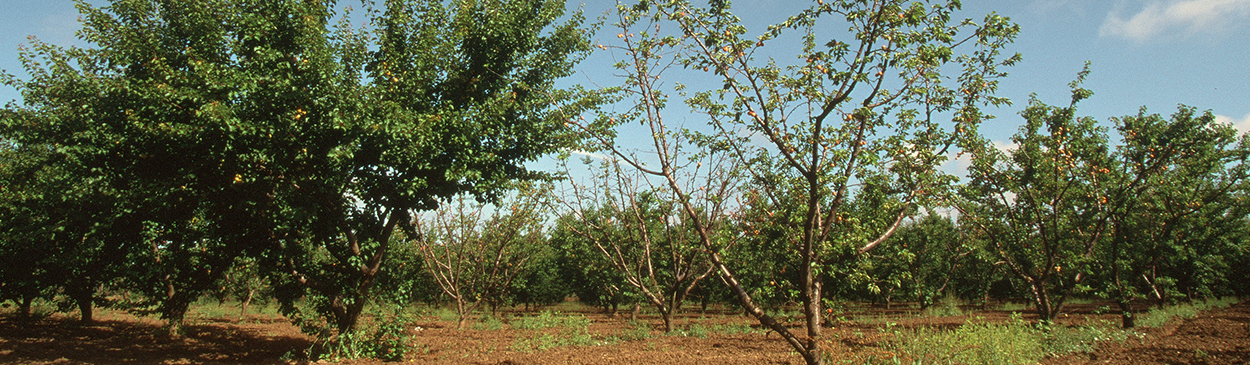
x=257 y=129
x=920 y=260
x=590 y=275
x=868 y=102
x=1186 y=217
x=1042 y=207
x=457 y=97
x=541 y=285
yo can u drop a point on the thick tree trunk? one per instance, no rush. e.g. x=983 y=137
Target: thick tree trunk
x=1042 y=299
x=23 y=308
x=82 y=291
x=175 y=313
x=85 y=311
x=1127 y=318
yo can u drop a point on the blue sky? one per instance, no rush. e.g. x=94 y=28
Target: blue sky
x=1153 y=53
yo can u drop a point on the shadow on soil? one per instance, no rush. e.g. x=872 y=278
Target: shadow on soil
x=62 y=340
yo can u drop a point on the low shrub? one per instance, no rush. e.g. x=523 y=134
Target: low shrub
x=389 y=341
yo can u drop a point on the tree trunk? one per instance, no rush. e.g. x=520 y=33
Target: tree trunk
x=463 y=317
x=668 y=320
x=23 y=308
x=85 y=311
x=83 y=293
x=175 y=313
x=1042 y=300
x=246 y=301
x=1127 y=318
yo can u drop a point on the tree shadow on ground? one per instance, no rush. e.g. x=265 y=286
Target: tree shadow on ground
x=63 y=340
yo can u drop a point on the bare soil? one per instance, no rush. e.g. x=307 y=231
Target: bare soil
x=1215 y=337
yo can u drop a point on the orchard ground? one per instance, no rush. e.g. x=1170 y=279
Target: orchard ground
x=217 y=335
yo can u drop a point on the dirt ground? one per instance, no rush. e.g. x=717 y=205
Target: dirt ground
x=1214 y=337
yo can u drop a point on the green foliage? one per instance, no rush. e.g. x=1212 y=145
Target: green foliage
x=488 y=323
x=571 y=331
x=701 y=330
x=445 y=314
x=1158 y=317
x=637 y=331
x=568 y=337
x=389 y=341
x=207 y=130
x=1043 y=207
x=859 y=117
x=948 y=307
x=1013 y=342
x=550 y=319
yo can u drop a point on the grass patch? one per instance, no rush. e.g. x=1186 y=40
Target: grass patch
x=702 y=330
x=549 y=319
x=1159 y=317
x=488 y=323
x=1013 y=342
x=637 y=331
x=1013 y=307
x=445 y=314
x=948 y=307
x=567 y=337
x=573 y=331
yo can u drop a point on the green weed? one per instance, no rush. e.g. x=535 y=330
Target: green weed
x=547 y=341
x=1013 y=342
x=488 y=323
x=948 y=307
x=1161 y=316
x=637 y=331
x=445 y=314
x=549 y=319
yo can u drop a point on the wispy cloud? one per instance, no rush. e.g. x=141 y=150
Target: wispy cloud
x=1177 y=17
x=1242 y=125
x=593 y=155
x=958 y=163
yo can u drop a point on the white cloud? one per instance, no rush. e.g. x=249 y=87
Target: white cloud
x=1242 y=125
x=1178 y=17
x=958 y=163
x=597 y=156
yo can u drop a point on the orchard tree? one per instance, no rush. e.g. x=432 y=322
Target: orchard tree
x=591 y=276
x=457 y=97
x=475 y=251
x=1043 y=207
x=1187 y=214
x=876 y=100
x=923 y=256
x=638 y=230
x=232 y=128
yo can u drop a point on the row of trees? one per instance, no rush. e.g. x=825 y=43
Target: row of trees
x=203 y=147
x=194 y=133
